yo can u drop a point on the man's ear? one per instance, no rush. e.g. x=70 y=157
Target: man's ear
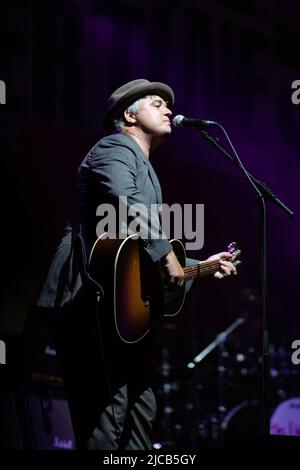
x=129 y=117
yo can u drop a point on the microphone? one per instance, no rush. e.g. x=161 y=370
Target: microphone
x=181 y=121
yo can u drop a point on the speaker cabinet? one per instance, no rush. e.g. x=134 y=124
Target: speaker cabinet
x=51 y=422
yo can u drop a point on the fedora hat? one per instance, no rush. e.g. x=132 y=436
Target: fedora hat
x=129 y=93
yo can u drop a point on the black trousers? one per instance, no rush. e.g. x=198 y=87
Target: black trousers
x=111 y=403
x=126 y=423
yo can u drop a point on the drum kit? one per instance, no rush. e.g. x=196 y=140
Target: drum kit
x=209 y=397
x=283 y=399
x=208 y=405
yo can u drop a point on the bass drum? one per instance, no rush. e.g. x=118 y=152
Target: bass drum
x=286 y=418
x=244 y=418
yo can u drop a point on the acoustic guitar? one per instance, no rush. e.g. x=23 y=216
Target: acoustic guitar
x=134 y=287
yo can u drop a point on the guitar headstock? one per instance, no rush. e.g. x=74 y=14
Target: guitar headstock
x=234 y=250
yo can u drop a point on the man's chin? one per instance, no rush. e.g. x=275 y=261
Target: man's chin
x=164 y=135
x=166 y=132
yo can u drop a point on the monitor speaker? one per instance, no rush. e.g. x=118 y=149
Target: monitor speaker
x=51 y=422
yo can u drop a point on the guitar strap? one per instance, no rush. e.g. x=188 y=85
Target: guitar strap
x=81 y=251
x=79 y=240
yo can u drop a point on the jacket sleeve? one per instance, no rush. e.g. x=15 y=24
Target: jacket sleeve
x=190 y=262
x=115 y=172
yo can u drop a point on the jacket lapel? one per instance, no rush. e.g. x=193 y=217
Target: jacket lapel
x=154 y=181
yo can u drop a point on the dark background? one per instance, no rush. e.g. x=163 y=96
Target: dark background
x=229 y=61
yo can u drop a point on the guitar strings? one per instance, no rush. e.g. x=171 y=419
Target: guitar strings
x=201 y=269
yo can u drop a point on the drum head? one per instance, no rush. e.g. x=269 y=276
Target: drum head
x=286 y=418
x=245 y=418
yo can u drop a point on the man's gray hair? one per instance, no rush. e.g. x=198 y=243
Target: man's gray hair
x=133 y=108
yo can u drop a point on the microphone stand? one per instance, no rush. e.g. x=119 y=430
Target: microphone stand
x=264 y=194
x=265 y=191
x=218 y=342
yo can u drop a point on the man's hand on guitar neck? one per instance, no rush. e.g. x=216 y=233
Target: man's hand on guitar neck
x=173 y=270
x=226 y=267
x=175 y=276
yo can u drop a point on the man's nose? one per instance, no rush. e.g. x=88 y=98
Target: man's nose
x=168 y=112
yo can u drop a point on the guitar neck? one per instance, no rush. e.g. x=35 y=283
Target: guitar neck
x=200 y=270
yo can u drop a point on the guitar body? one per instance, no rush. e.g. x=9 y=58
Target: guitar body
x=133 y=285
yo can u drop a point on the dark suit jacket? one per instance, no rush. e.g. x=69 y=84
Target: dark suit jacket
x=115 y=166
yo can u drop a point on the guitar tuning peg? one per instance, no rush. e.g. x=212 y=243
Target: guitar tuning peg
x=232 y=247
